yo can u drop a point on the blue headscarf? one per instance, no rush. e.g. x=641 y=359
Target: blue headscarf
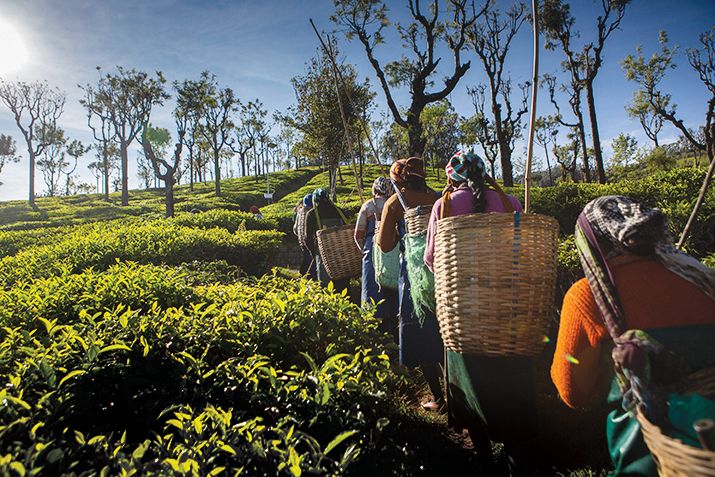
x=308 y=200
x=319 y=195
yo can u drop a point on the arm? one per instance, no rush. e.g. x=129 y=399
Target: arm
x=431 y=229
x=387 y=236
x=311 y=227
x=361 y=226
x=579 y=370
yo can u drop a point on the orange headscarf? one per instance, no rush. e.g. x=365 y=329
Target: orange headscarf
x=402 y=169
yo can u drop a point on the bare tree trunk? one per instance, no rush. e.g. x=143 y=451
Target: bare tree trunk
x=414 y=134
x=125 y=173
x=598 y=156
x=217 y=173
x=584 y=148
x=191 y=170
x=169 y=196
x=32 y=176
x=548 y=165
x=507 y=170
x=105 y=158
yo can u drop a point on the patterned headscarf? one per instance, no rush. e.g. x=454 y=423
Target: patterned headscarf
x=620 y=223
x=381 y=187
x=402 y=169
x=461 y=163
x=308 y=200
x=319 y=195
x=624 y=223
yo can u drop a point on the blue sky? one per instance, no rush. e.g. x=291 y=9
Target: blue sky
x=257 y=46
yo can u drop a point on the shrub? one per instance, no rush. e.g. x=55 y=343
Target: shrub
x=159 y=242
x=203 y=388
x=230 y=220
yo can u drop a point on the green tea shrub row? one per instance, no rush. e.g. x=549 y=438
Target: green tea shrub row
x=100 y=245
x=271 y=377
x=230 y=220
x=673 y=191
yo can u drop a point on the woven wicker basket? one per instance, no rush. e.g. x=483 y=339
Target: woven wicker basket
x=495 y=277
x=673 y=457
x=341 y=257
x=417 y=219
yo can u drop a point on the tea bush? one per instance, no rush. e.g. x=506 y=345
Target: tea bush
x=230 y=220
x=203 y=388
x=99 y=246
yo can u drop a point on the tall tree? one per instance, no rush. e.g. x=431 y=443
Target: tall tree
x=317 y=113
x=217 y=121
x=441 y=130
x=106 y=164
x=190 y=100
x=98 y=120
x=639 y=108
x=573 y=90
x=52 y=161
x=35 y=107
x=125 y=100
x=506 y=125
x=546 y=130
x=567 y=155
x=649 y=73
x=491 y=39
x=424 y=36
x=625 y=150
x=479 y=129
x=583 y=65
x=247 y=131
x=8 y=151
x=75 y=149
x=155 y=143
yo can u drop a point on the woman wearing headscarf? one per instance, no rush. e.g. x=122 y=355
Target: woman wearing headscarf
x=467 y=192
x=419 y=339
x=365 y=228
x=644 y=306
x=299 y=230
x=324 y=214
x=492 y=397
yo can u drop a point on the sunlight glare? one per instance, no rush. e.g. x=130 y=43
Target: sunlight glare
x=13 y=53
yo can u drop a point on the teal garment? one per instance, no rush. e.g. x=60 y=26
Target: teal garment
x=495 y=399
x=683 y=411
x=628 y=450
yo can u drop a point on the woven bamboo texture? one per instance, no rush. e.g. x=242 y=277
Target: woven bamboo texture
x=417 y=219
x=672 y=456
x=495 y=282
x=341 y=257
x=301 y=227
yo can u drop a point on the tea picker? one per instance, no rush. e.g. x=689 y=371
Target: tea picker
x=495 y=276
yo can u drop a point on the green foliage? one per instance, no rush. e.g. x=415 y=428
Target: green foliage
x=226 y=219
x=238 y=194
x=97 y=246
x=267 y=377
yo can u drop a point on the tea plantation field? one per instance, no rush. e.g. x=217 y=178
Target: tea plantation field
x=131 y=344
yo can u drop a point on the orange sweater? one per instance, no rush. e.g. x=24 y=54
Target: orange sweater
x=651 y=296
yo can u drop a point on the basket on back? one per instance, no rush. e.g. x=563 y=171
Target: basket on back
x=341 y=258
x=495 y=276
x=417 y=219
x=673 y=457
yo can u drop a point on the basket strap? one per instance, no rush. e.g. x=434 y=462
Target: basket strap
x=317 y=218
x=508 y=206
x=340 y=213
x=400 y=197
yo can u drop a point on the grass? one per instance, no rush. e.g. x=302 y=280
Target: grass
x=237 y=194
